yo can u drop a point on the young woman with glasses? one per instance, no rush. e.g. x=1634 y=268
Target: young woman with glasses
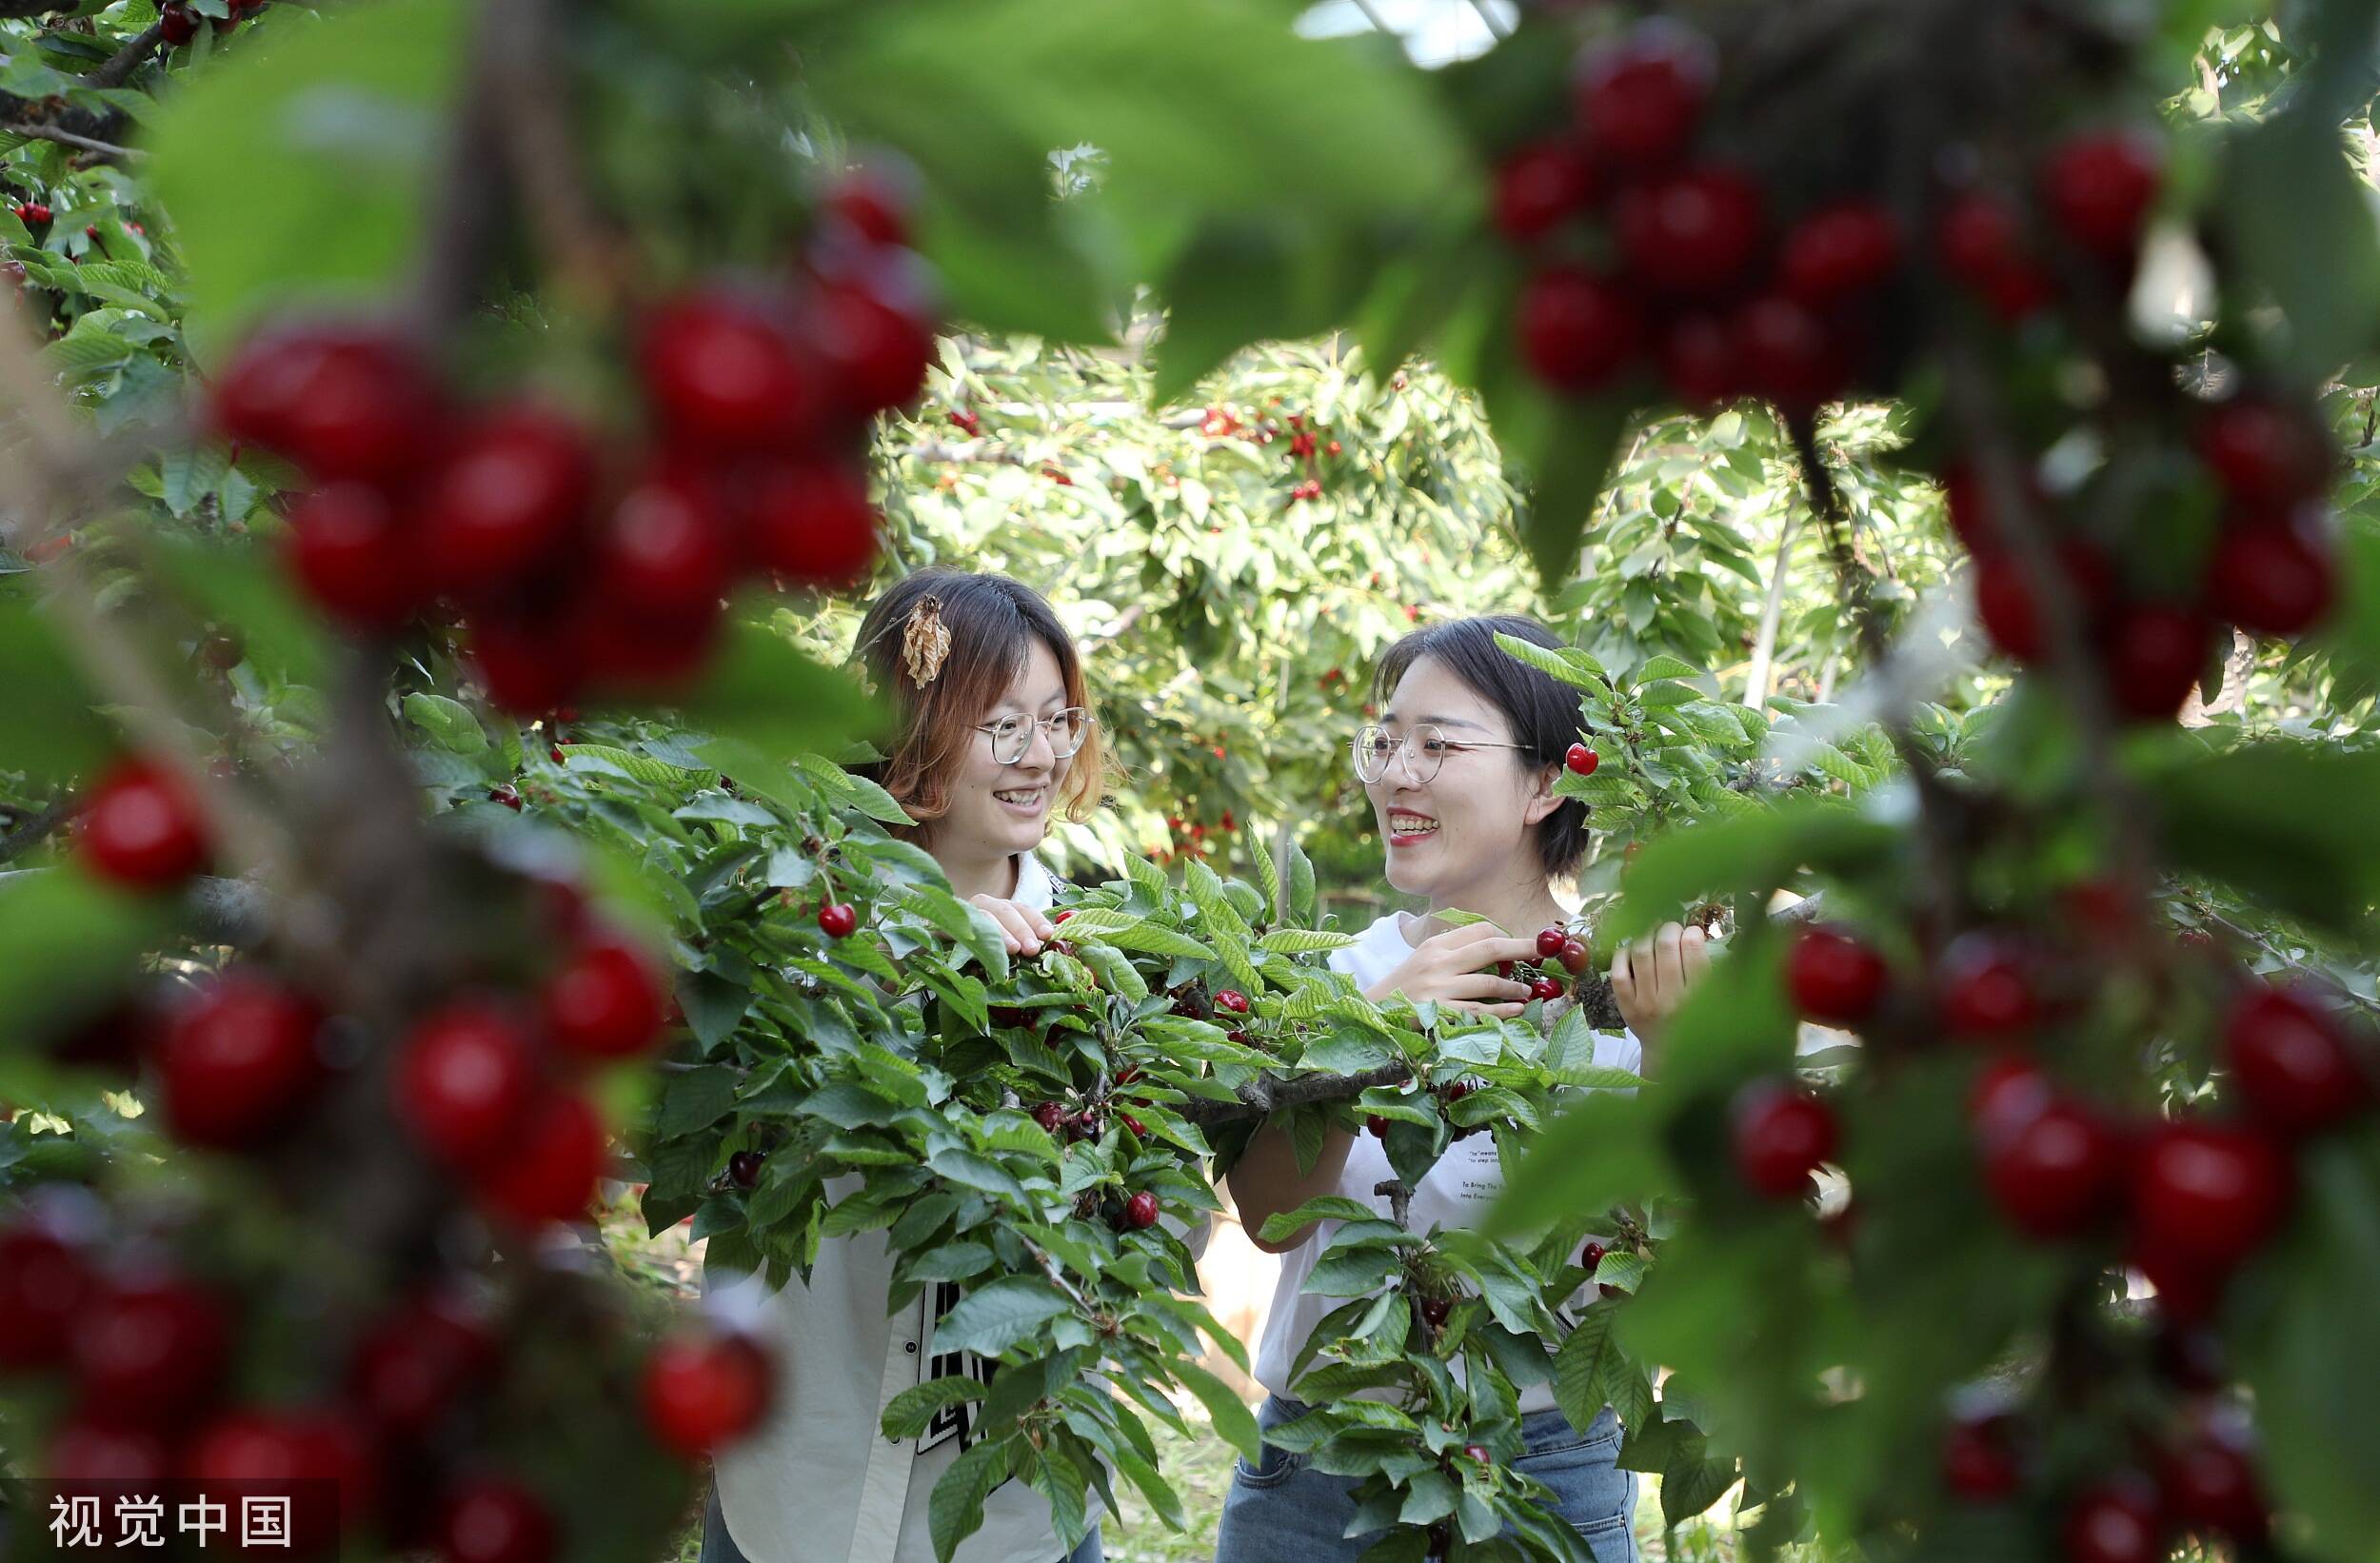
x=993 y=732
x=1460 y=771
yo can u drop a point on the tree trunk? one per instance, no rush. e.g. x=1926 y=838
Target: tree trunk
x=1764 y=649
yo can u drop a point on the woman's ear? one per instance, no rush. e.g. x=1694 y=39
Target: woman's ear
x=1542 y=799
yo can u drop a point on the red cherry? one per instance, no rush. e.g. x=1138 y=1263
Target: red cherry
x=1980 y=240
x=140 y=829
x=1550 y=942
x=1840 y=252
x=85 y=1451
x=344 y=402
x=837 y=920
x=813 y=522
x=1788 y=356
x=32 y=213
x=1540 y=185
x=1581 y=759
x=874 y=326
x=526 y=667
x=2005 y=600
x=2188 y=1288
x=347 y=549
x=276 y=1450
x=662 y=550
x=1376 y=1126
x=1781 y=1133
x=2098 y=189
x=2055 y=1174
x=1576 y=957
x=650 y=653
x=2262 y=454
x=1692 y=234
x=1985 y=988
x=1544 y=988
x=1140 y=1210
x=723 y=372
x=177 y=24
x=2118 y=1521
x=1436 y=1310
x=2272 y=581
x=2153 y=657
x=493 y=1519
x=507 y=500
x=1576 y=332
x=875 y=200
x=1979 y=1463
x=743 y=1168
x=2006 y=1094
x=236 y=1060
x=703 y=1393
x=1833 y=977
x=151 y=1349
x=1050 y=1115
x=2291 y=1062
x=2208 y=1191
x=1231 y=1000
x=462 y=1078
x=606 y=1002
x=44 y=1287
x=507 y=794
x=1699 y=363
x=415 y=1362
x=1478 y=1454
x=550 y=1171
x=2210 y=1485
x=1642 y=99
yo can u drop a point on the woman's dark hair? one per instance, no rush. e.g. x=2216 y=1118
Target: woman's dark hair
x=993 y=623
x=1546 y=713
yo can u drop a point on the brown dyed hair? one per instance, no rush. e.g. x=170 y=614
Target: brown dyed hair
x=993 y=623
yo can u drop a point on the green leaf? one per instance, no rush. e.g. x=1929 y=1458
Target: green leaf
x=913 y=1409
x=765 y=692
x=1663 y=665
x=1563 y=449
x=46 y=726
x=2293 y=825
x=1284 y=1224
x=2313 y=1360
x=1233 y=1420
x=1604 y=1151
x=1580 y=1367
x=337 y=120
x=1751 y=851
x=70 y=942
x=995 y=1317
x=2298 y=220
x=1302 y=941
x=697 y=1099
x=1567 y=664
x=1243 y=281
x=1690 y=1485
x=449 y=723
x=955 y=1509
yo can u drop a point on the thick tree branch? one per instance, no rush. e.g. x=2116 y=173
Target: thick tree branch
x=118 y=67
x=31 y=832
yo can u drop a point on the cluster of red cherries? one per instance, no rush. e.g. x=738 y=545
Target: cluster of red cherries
x=1308 y=444
x=2187 y=1200
x=177 y=23
x=488 y=1087
x=578 y=560
x=1700 y=286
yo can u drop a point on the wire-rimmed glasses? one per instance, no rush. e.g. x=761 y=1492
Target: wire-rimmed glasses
x=1012 y=736
x=1424 y=749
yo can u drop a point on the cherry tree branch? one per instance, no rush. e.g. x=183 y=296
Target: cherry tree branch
x=104 y=150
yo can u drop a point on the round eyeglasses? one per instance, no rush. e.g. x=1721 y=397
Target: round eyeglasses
x=1423 y=749
x=1013 y=736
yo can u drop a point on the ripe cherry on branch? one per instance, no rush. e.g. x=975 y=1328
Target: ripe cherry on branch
x=140 y=829
x=1833 y=977
x=1781 y=1134
x=704 y=1392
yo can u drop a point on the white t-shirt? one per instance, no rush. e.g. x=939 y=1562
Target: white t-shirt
x=1457 y=1191
x=818 y=1482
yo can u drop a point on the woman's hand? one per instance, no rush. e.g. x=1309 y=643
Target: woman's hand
x=1027 y=928
x=1650 y=978
x=1454 y=968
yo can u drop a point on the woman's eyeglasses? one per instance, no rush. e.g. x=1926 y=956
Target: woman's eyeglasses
x=1424 y=750
x=1012 y=736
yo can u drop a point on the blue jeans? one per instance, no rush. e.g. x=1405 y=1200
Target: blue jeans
x=719 y=1547
x=1283 y=1511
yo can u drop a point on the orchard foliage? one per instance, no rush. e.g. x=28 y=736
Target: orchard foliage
x=374 y=870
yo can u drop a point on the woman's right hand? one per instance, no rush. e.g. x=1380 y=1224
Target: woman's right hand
x=1025 y=928
x=1455 y=969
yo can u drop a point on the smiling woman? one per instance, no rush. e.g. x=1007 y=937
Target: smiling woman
x=992 y=732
